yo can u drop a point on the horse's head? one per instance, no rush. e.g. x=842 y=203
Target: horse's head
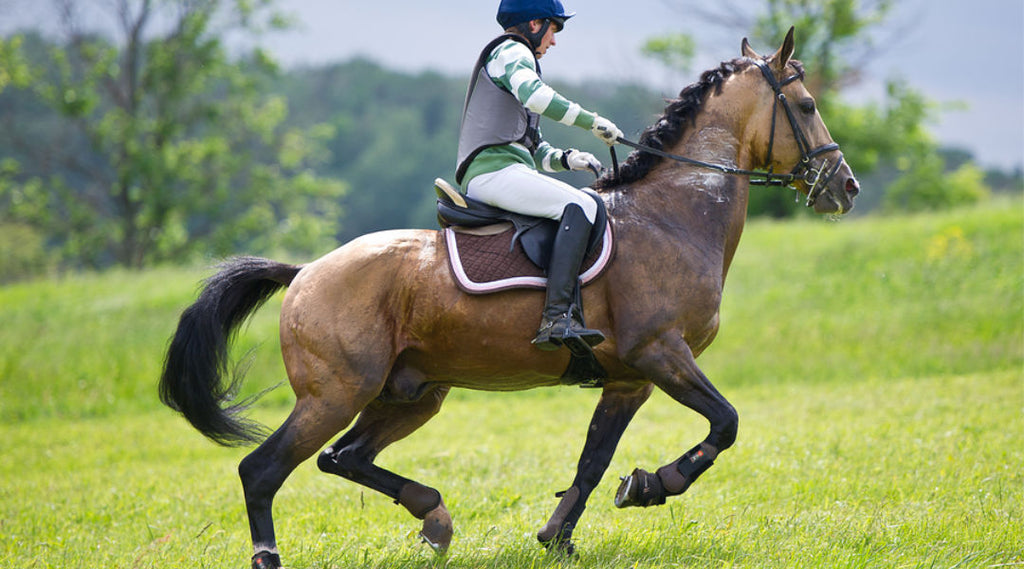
x=791 y=135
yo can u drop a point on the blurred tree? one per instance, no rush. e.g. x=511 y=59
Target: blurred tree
x=928 y=187
x=834 y=38
x=164 y=147
x=395 y=132
x=675 y=51
x=22 y=248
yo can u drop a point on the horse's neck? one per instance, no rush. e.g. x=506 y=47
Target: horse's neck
x=706 y=207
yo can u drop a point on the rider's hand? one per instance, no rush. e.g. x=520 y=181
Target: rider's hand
x=573 y=159
x=606 y=130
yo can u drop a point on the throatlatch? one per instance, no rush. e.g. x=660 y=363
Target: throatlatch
x=642 y=488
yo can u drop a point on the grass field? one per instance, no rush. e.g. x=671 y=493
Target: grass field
x=877 y=366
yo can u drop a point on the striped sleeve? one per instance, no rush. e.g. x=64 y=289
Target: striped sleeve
x=511 y=65
x=547 y=158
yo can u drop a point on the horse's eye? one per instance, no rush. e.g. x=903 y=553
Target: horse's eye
x=807 y=105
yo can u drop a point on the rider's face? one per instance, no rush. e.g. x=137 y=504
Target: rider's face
x=549 y=37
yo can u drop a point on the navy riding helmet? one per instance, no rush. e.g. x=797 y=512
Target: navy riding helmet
x=514 y=12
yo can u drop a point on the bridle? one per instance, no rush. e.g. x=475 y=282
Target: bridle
x=816 y=178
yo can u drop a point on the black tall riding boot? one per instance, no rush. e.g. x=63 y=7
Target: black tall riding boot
x=561 y=321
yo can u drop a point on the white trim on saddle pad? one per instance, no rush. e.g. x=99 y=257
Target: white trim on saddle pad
x=474 y=287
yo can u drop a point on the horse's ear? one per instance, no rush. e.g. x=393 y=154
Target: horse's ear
x=781 y=57
x=748 y=51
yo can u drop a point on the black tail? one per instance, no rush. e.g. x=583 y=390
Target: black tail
x=193 y=380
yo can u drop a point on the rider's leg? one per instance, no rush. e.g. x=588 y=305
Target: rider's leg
x=523 y=190
x=560 y=321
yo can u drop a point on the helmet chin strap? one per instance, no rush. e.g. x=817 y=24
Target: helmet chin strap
x=534 y=38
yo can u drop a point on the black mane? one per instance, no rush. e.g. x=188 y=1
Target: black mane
x=666 y=132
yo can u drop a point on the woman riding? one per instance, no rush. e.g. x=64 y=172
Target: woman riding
x=501 y=151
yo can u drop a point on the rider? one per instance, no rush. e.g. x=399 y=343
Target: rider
x=501 y=150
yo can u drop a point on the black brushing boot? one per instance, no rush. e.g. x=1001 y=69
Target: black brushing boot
x=266 y=560
x=561 y=323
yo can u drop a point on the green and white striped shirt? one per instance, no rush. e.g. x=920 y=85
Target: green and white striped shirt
x=512 y=66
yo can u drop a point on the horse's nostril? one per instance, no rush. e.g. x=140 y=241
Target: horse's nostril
x=852 y=187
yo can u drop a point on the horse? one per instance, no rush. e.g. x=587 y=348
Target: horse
x=376 y=331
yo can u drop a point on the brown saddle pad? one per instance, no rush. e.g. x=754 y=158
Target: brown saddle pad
x=483 y=260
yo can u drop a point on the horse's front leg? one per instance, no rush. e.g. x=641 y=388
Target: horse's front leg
x=669 y=363
x=615 y=409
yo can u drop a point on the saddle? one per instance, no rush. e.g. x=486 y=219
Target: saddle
x=491 y=249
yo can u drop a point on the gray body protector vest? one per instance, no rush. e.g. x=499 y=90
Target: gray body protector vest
x=492 y=116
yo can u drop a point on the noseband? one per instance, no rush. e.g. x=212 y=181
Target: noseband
x=811 y=176
x=816 y=178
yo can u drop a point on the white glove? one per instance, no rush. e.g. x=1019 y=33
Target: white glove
x=606 y=130
x=573 y=159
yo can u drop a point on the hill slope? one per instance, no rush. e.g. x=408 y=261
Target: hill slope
x=806 y=301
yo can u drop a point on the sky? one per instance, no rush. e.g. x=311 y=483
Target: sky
x=968 y=56
x=954 y=51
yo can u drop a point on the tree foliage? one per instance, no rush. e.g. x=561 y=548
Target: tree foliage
x=165 y=148
x=835 y=37
x=392 y=134
x=162 y=146
x=395 y=132
x=928 y=187
x=674 y=51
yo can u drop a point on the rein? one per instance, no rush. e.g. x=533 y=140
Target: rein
x=803 y=170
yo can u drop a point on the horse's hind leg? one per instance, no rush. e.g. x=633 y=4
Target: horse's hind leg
x=311 y=424
x=379 y=425
x=670 y=365
x=614 y=411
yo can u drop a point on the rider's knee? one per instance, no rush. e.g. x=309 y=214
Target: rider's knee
x=589 y=207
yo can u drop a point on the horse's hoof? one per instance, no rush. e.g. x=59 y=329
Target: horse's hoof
x=437 y=529
x=626 y=494
x=561 y=547
x=557 y=529
x=641 y=488
x=266 y=560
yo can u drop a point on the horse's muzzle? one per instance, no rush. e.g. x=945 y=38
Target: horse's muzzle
x=832 y=188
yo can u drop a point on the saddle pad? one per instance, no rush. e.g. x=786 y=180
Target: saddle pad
x=483 y=263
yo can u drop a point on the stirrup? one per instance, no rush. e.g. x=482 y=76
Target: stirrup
x=578 y=346
x=566 y=330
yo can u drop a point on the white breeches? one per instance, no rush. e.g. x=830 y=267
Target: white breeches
x=521 y=189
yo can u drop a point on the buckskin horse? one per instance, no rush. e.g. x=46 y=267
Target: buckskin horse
x=377 y=332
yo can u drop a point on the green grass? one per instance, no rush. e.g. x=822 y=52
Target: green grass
x=924 y=472
x=877 y=365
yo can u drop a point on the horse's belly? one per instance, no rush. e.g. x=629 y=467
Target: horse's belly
x=501 y=370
